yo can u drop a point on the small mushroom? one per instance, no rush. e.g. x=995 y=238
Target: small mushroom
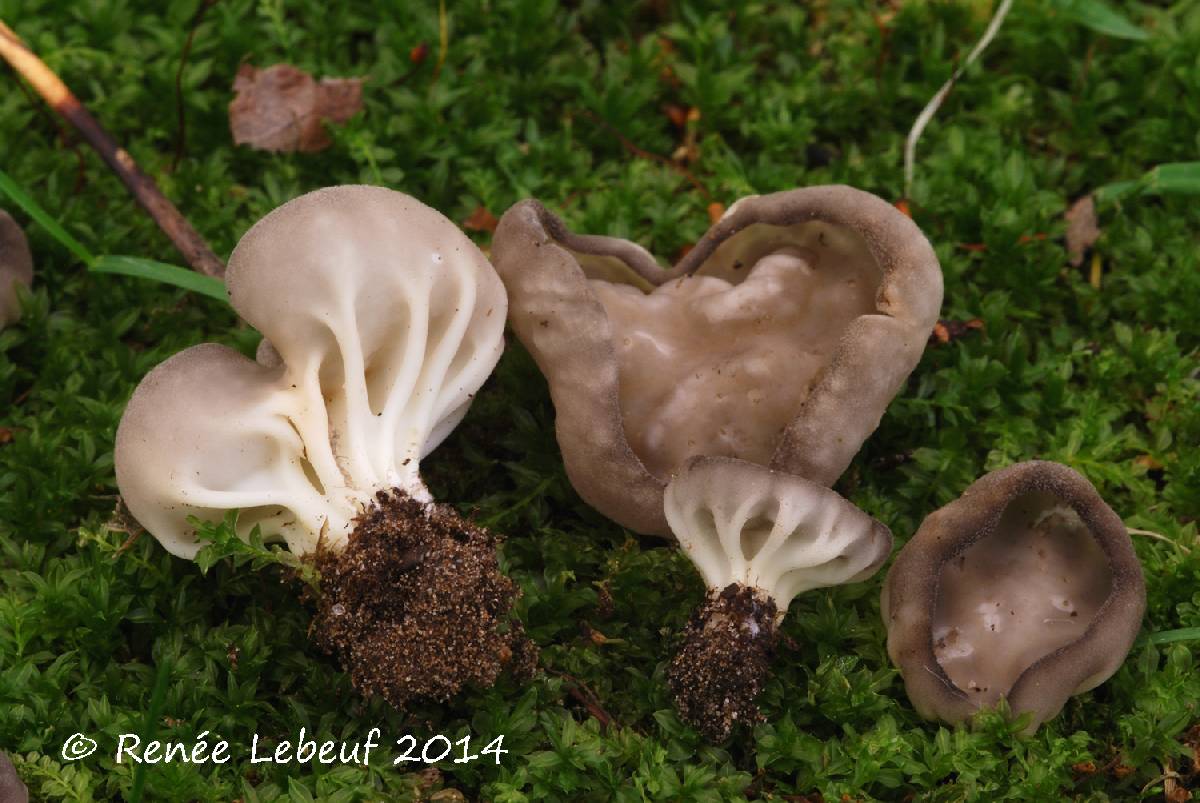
x=1025 y=588
x=382 y=321
x=758 y=538
x=16 y=267
x=779 y=339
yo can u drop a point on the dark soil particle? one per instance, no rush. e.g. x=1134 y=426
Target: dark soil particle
x=724 y=661
x=415 y=606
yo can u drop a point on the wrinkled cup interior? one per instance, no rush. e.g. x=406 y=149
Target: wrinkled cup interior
x=717 y=363
x=1026 y=589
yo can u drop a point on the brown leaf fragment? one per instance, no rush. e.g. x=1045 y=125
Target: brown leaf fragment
x=481 y=220
x=418 y=53
x=1173 y=791
x=283 y=108
x=715 y=212
x=1082 y=229
x=1084 y=768
x=1192 y=740
x=947 y=330
x=676 y=114
x=1148 y=462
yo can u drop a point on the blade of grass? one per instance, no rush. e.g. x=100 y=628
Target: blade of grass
x=161 y=272
x=60 y=98
x=1173 y=178
x=1173 y=636
x=121 y=265
x=43 y=219
x=150 y=726
x=1101 y=18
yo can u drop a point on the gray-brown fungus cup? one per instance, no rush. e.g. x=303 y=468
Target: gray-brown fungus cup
x=779 y=339
x=1026 y=588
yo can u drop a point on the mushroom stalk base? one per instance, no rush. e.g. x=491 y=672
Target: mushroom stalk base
x=724 y=660
x=415 y=607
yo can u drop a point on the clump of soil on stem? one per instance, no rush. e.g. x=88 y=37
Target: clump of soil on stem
x=415 y=606
x=724 y=660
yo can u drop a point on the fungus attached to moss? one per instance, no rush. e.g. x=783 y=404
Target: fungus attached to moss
x=758 y=538
x=380 y=321
x=1025 y=588
x=779 y=339
x=16 y=267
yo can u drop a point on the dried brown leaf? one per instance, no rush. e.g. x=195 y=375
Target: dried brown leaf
x=1082 y=229
x=283 y=108
x=481 y=220
x=676 y=114
x=947 y=330
x=1174 y=792
x=1147 y=462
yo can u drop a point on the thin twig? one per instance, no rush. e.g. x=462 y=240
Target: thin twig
x=587 y=698
x=632 y=147
x=1158 y=537
x=910 y=144
x=181 y=120
x=189 y=242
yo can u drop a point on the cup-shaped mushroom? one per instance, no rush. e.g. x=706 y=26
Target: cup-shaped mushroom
x=16 y=267
x=381 y=320
x=758 y=538
x=779 y=339
x=1025 y=588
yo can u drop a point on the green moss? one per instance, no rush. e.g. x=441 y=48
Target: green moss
x=788 y=94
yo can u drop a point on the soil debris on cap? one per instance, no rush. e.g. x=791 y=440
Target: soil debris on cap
x=724 y=660
x=415 y=607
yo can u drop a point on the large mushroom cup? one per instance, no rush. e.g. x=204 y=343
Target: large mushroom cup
x=780 y=339
x=381 y=320
x=717 y=401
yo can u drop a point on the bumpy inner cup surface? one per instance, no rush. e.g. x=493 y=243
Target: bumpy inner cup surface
x=718 y=364
x=1027 y=589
